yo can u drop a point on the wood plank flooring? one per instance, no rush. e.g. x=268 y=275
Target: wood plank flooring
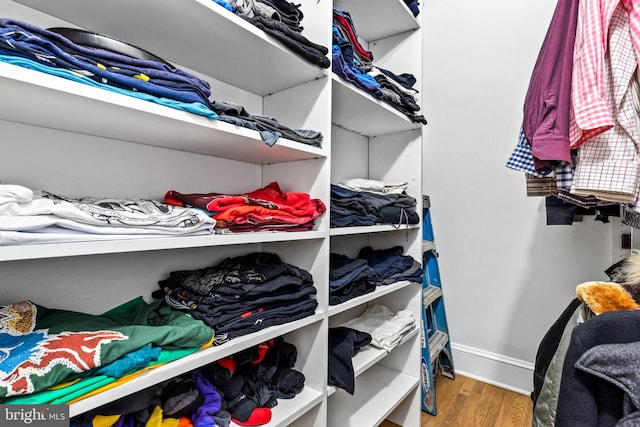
x=465 y=402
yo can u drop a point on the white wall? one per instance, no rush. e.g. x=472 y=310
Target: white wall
x=506 y=275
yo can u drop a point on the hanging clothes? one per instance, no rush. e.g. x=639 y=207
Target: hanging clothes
x=608 y=164
x=581 y=112
x=547 y=103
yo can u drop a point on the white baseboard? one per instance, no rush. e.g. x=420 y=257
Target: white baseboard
x=502 y=371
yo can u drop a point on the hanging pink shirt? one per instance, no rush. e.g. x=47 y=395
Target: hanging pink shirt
x=591 y=114
x=608 y=165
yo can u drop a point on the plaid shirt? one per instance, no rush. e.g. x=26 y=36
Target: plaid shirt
x=608 y=165
x=563 y=173
x=591 y=114
x=521 y=158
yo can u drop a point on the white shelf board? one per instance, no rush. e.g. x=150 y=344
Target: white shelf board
x=369 y=356
x=71 y=106
x=188 y=363
x=378 y=392
x=372 y=355
x=357 y=111
x=343 y=231
x=362 y=299
x=367 y=16
x=57 y=250
x=196 y=34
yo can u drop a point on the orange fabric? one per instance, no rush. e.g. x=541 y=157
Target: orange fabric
x=184 y=422
x=258 y=214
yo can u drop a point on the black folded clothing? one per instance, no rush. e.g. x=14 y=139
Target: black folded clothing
x=100 y=41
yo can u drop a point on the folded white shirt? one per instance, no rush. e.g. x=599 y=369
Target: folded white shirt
x=98 y=215
x=15 y=193
x=385 y=327
x=374 y=186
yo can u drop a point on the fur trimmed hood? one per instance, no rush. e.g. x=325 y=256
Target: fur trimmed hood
x=602 y=297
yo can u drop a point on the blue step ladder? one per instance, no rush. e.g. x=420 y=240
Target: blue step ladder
x=436 y=346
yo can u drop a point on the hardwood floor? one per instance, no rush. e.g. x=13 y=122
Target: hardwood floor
x=466 y=402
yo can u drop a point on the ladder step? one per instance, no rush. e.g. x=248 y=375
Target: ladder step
x=436 y=350
x=428 y=245
x=430 y=294
x=437 y=342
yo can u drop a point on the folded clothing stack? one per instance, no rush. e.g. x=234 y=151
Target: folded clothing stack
x=349 y=278
x=354 y=63
x=264 y=209
x=149 y=75
x=359 y=201
x=243 y=294
x=281 y=19
x=35 y=216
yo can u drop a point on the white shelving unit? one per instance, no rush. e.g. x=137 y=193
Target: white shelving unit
x=76 y=107
x=372 y=140
x=371 y=406
x=76 y=140
x=205 y=38
x=358 y=112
